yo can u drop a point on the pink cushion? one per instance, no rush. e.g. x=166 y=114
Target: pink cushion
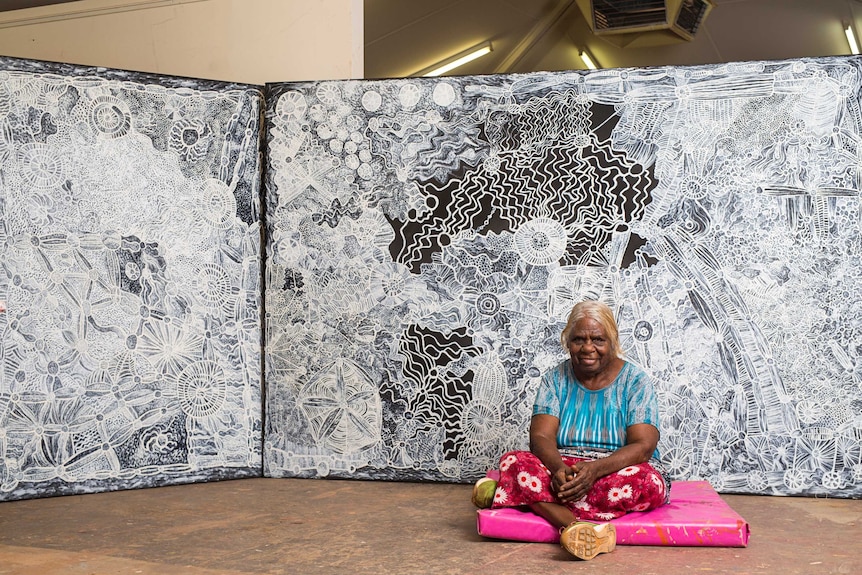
x=696 y=516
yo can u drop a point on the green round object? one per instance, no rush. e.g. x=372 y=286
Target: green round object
x=483 y=492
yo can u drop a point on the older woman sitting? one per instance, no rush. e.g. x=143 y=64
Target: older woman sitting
x=593 y=440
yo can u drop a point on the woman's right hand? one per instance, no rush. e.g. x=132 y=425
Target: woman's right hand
x=560 y=479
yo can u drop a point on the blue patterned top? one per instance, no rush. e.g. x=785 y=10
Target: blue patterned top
x=597 y=419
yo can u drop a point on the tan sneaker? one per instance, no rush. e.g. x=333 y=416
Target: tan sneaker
x=586 y=540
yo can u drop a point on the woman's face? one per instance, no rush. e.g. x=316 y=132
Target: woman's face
x=589 y=348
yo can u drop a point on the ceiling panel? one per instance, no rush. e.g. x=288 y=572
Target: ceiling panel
x=427 y=32
x=403 y=37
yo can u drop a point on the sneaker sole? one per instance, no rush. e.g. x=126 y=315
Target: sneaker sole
x=584 y=541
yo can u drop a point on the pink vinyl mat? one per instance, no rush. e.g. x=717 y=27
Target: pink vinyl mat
x=695 y=517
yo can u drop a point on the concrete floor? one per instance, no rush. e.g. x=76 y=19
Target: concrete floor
x=296 y=526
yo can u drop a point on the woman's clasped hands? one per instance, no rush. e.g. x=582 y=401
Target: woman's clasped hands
x=573 y=483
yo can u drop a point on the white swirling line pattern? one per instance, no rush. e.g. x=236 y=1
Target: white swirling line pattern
x=427 y=238
x=131 y=343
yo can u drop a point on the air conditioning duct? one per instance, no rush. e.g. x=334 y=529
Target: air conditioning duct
x=677 y=18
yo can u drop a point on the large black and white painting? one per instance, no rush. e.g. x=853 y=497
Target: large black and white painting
x=427 y=238
x=129 y=267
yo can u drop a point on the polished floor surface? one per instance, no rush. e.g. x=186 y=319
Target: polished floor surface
x=296 y=526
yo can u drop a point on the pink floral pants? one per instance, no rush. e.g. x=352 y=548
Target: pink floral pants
x=524 y=479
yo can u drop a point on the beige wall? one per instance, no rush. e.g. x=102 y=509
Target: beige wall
x=249 y=41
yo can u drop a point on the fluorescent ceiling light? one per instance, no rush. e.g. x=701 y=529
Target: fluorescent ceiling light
x=457 y=60
x=588 y=61
x=851 y=39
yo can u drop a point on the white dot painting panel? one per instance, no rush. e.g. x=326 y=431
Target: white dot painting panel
x=130 y=276
x=427 y=238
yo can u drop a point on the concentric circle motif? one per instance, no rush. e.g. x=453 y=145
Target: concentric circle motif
x=541 y=241
x=795 y=479
x=291 y=106
x=110 y=117
x=676 y=461
x=132 y=271
x=643 y=331
x=213 y=284
x=757 y=480
x=832 y=480
x=695 y=188
x=328 y=94
x=480 y=421
x=809 y=411
x=488 y=304
x=393 y=284
x=365 y=171
x=444 y=94
x=41 y=165
x=409 y=95
x=201 y=388
x=372 y=101
x=218 y=205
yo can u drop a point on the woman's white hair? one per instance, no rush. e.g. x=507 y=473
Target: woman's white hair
x=596 y=311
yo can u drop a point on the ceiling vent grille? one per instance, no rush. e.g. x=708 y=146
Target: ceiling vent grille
x=666 y=20
x=691 y=14
x=627 y=14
